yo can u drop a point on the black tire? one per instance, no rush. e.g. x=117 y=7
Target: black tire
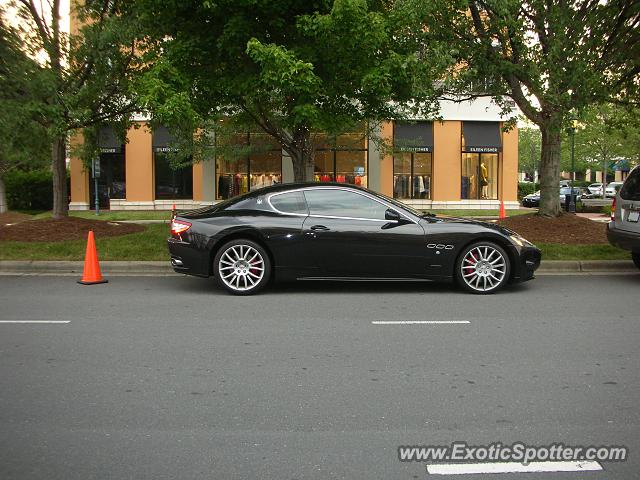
x=635 y=256
x=488 y=273
x=242 y=267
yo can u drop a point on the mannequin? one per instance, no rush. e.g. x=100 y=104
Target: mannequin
x=484 y=180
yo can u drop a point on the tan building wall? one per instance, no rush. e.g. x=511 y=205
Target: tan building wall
x=139 y=165
x=386 y=161
x=447 y=160
x=79 y=176
x=509 y=166
x=197 y=181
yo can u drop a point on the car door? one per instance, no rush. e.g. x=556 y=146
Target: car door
x=350 y=236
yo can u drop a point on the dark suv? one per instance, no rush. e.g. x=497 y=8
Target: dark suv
x=624 y=227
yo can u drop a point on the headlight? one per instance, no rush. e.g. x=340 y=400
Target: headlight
x=522 y=242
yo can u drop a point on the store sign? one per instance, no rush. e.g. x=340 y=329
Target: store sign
x=482 y=149
x=109 y=150
x=414 y=149
x=165 y=149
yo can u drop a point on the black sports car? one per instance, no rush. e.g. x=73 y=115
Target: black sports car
x=332 y=231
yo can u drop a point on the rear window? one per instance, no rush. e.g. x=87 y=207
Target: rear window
x=631 y=188
x=292 y=202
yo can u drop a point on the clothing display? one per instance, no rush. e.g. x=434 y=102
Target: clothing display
x=421 y=186
x=230 y=185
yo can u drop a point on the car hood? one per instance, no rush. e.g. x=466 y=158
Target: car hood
x=457 y=220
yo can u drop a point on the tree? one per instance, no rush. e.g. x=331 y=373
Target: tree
x=23 y=143
x=290 y=68
x=529 y=150
x=551 y=58
x=606 y=133
x=86 y=76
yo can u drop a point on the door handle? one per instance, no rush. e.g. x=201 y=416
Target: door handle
x=320 y=228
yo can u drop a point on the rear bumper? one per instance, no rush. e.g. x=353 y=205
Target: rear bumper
x=187 y=259
x=527 y=262
x=623 y=239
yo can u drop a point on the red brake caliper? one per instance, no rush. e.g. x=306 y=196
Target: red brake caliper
x=470 y=268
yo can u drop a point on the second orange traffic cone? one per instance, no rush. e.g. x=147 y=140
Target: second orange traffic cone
x=502 y=212
x=91 y=274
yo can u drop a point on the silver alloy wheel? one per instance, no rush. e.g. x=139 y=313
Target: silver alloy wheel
x=483 y=268
x=241 y=267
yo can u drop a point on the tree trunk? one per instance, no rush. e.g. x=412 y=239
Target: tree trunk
x=302 y=155
x=3 y=197
x=59 y=167
x=550 y=169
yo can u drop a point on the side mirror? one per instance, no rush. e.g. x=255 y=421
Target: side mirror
x=391 y=215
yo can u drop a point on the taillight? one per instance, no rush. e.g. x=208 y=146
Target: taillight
x=613 y=210
x=179 y=226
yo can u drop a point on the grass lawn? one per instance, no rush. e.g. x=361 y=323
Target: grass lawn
x=115 y=215
x=147 y=245
x=151 y=245
x=555 y=251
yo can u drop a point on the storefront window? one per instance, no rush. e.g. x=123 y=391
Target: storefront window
x=412 y=160
x=479 y=176
x=261 y=166
x=172 y=182
x=111 y=168
x=341 y=159
x=481 y=144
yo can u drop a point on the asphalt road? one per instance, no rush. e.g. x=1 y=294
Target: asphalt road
x=169 y=378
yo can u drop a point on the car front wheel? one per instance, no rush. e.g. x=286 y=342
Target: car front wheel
x=482 y=268
x=636 y=258
x=242 y=267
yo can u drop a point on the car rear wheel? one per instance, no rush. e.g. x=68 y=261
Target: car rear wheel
x=636 y=258
x=482 y=268
x=242 y=267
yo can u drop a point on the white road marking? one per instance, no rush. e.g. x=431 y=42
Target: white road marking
x=35 y=321
x=420 y=322
x=512 y=467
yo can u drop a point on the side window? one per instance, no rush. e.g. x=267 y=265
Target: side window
x=342 y=203
x=292 y=202
x=631 y=188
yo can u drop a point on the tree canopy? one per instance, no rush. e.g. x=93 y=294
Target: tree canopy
x=289 y=68
x=83 y=79
x=554 y=59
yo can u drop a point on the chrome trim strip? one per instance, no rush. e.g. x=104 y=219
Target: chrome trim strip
x=332 y=187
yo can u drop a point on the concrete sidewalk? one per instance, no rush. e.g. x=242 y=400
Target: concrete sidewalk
x=115 y=268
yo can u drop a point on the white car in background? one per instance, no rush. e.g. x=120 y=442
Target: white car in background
x=612 y=188
x=595 y=189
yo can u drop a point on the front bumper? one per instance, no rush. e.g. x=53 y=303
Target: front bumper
x=527 y=262
x=623 y=239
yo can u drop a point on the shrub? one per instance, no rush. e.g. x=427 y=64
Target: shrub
x=31 y=190
x=525 y=188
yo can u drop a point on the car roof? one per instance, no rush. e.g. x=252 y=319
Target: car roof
x=283 y=187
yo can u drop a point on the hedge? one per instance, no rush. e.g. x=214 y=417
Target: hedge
x=31 y=190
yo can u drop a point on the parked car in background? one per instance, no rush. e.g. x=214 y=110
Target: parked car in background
x=565 y=183
x=564 y=191
x=624 y=228
x=531 y=200
x=595 y=188
x=612 y=189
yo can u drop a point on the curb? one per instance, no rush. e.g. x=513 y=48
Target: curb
x=148 y=268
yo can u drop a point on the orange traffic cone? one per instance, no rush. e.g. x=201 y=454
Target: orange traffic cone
x=91 y=274
x=502 y=212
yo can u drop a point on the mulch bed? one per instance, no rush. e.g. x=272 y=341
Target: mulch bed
x=565 y=229
x=12 y=217
x=70 y=228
